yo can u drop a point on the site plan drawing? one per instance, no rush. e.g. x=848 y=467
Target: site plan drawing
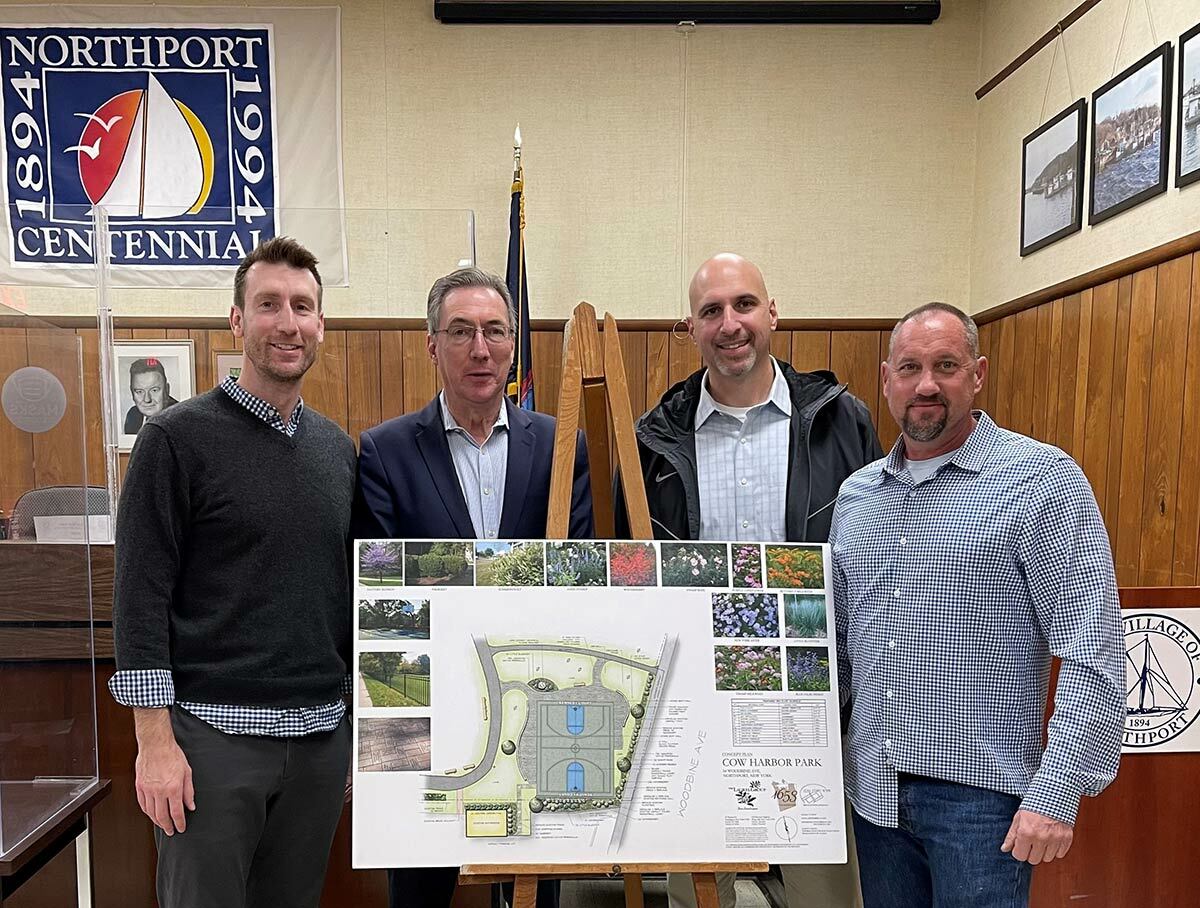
x=563 y=722
x=543 y=701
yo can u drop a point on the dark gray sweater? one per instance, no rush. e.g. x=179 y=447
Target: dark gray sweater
x=232 y=545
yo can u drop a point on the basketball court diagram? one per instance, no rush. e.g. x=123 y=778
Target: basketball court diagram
x=561 y=722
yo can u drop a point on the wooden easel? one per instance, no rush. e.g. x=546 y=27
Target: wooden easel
x=593 y=380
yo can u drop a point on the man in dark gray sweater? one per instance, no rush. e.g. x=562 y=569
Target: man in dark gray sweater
x=231 y=611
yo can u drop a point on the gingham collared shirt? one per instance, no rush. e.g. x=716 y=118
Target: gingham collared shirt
x=481 y=469
x=742 y=466
x=155 y=688
x=951 y=596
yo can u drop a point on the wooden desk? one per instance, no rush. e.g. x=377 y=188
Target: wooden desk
x=44 y=609
x=67 y=823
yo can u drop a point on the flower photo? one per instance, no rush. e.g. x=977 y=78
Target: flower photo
x=632 y=564
x=747 y=667
x=747 y=565
x=795 y=567
x=576 y=564
x=808 y=668
x=745 y=615
x=695 y=564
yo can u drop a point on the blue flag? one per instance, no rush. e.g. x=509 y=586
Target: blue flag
x=520 y=376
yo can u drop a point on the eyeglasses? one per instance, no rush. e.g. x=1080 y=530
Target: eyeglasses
x=461 y=335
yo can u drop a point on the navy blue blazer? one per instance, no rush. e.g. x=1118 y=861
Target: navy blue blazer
x=407 y=487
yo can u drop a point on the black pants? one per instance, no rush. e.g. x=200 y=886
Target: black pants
x=266 y=811
x=433 y=887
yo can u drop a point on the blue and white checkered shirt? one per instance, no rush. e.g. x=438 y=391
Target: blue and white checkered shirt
x=481 y=469
x=155 y=688
x=742 y=466
x=951 y=596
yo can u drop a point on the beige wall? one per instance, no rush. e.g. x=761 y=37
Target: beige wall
x=840 y=158
x=1015 y=108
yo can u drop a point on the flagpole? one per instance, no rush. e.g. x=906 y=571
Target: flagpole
x=518 y=185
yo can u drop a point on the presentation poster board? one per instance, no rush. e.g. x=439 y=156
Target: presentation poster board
x=541 y=701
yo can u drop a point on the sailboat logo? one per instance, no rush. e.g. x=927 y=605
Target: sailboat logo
x=146 y=155
x=1162 y=690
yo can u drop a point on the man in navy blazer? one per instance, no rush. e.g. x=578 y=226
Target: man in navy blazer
x=469 y=465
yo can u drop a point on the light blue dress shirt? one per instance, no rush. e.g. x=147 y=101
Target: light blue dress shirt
x=481 y=469
x=742 y=466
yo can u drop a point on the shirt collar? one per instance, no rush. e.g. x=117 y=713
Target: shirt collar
x=971 y=456
x=780 y=396
x=449 y=423
x=257 y=405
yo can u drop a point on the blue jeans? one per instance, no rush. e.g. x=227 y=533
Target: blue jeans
x=946 y=851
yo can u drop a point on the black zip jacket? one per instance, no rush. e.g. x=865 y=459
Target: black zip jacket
x=831 y=437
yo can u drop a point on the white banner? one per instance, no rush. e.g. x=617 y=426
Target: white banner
x=1162 y=679
x=579 y=701
x=201 y=131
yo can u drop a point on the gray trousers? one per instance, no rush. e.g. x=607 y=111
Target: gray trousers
x=266 y=811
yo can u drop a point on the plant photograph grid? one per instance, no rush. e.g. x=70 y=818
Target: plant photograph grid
x=439 y=564
x=795 y=567
x=576 y=564
x=380 y=564
x=808 y=668
x=632 y=564
x=745 y=614
x=393 y=619
x=695 y=564
x=747 y=668
x=804 y=616
x=510 y=563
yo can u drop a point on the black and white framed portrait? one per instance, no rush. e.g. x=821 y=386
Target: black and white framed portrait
x=1052 y=179
x=1187 y=144
x=149 y=376
x=1131 y=125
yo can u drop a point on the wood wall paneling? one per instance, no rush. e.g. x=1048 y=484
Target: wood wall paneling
x=420 y=374
x=1042 y=405
x=1185 y=566
x=810 y=350
x=854 y=358
x=1082 y=361
x=1116 y=428
x=1099 y=388
x=1165 y=415
x=364 y=405
x=885 y=424
x=1127 y=553
x=656 y=366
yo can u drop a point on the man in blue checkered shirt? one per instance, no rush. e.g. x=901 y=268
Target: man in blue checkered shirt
x=962 y=562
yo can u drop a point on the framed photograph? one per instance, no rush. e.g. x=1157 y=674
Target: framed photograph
x=150 y=376
x=1131 y=120
x=226 y=363
x=1052 y=179
x=1187 y=144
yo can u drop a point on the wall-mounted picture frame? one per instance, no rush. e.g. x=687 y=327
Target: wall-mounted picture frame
x=1187 y=117
x=225 y=364
x=1131 y=126
x=1052 y=179
x=149 y=376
